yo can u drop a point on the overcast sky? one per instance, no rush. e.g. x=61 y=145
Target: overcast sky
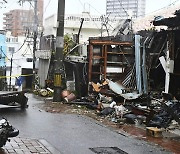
x=97 y=7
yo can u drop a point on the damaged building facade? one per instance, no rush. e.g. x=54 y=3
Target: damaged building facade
x=135 y=75
x=169 y=52
x=157 y=60
x=148 y=80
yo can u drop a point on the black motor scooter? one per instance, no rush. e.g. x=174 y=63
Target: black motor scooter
x=6 y=131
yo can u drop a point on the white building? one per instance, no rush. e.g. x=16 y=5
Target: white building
x=19 y=60
x=125 y=8
x=93 y=25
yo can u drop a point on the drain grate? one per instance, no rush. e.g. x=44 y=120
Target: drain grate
x=107 y=150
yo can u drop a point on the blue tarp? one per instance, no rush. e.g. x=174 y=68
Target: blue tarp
x=19 y=80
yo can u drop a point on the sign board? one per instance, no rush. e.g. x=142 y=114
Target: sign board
x=43 y=54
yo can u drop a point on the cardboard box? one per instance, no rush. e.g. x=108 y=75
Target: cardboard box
x=154 y=131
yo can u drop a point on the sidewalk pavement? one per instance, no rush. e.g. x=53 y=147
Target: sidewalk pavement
x=20 y=145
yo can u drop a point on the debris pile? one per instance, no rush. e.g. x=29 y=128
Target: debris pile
x=148 y=111
x=132 y=78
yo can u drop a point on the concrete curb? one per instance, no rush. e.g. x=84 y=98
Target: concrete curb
x=49 y=147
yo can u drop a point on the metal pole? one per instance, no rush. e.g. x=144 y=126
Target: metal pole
x=82 y=20
x=58 y=70
x=144 y=71
x=35 y=40
x=10 y=73
x=138 y=62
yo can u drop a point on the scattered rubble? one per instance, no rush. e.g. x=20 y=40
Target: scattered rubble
x=45 y=92
x=142 y=90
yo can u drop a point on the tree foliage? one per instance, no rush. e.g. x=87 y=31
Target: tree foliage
x=68 y=44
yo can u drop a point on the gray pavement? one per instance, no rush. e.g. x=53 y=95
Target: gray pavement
x=72 y=134
x=18 y=145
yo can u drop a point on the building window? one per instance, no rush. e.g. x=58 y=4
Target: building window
x=29 y=59
x=11 y=50
x=8 y=39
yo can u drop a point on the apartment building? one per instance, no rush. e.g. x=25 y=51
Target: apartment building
x=126 y=8
x=19 y=21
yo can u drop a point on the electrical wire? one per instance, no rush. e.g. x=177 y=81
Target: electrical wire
x=9 y=58
x=104 y=23
x=90 y=6
x=30 y=49
x=95 y=9
x=47 y=6
x=12 y=4
x=94 y=22
x=31 y=4
x=120 y=2
x=123 y=7
x=29 y=16
x=173 y=3
x=25 y=51
x=3 y=2
x=115 y=17
x=111 y=25
x=81 y=3
x=22 y=44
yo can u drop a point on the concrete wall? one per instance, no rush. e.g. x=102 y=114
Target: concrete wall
x=43 y=67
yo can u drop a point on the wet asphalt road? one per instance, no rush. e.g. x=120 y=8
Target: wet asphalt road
x=72 y=134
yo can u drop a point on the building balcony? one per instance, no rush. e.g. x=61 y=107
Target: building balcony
x=6 y=18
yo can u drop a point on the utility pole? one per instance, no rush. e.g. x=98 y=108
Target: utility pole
x=35 y=31
x=59 y=70
x=35 y=40
x=10 y=74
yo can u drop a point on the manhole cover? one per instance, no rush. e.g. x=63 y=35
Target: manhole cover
x=108 y=150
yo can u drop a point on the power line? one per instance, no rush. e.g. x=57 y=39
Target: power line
x=93 y=21
x=90 y=6
x=22 y=44
x=173 y=3
x=123 y=7
x=81 y=3
x=95 y=9
x=47 y=6
x=25 y=51
x=30 y=49
x=9 y=58
x=31 y=4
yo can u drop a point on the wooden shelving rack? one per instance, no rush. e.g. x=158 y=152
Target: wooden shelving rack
x=101 y=56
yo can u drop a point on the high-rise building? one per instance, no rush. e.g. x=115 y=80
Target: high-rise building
x=20 y=21
x=126 y=8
